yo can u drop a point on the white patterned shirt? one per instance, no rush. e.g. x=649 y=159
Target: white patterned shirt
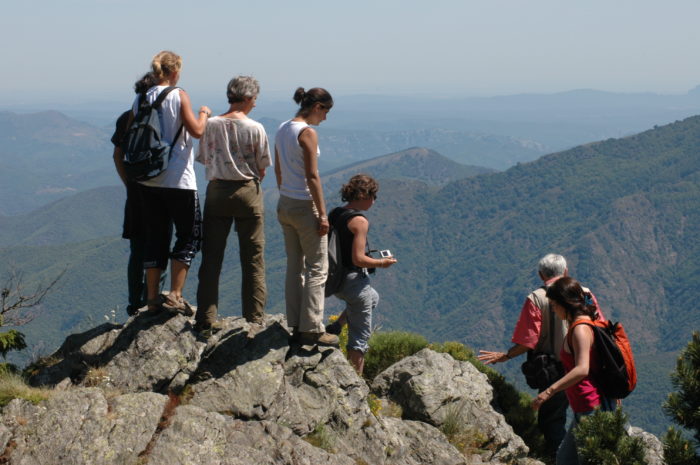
x=234 y=149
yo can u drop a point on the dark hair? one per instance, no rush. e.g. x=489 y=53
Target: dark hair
x=360 y=186
x=146 y=82
x=568 y=293
x=307 y=99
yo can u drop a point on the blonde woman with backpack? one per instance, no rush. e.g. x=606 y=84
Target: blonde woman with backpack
x=170 y=198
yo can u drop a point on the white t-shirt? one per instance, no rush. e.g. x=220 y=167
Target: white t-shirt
x=180 y=171
x=234 y=149
x=291 y=160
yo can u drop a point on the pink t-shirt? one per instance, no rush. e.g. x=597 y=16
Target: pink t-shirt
x=583 y=396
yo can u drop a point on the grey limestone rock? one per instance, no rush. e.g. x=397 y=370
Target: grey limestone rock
x=654 y=447
x=196 y=436
x=431 y=387
x=81 y=426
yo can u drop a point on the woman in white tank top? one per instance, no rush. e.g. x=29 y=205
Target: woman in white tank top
x=171 y=197
x=301 y=212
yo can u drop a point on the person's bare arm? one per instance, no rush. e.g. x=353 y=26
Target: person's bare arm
x=359 y=227
x=195 y=126
x=118 y=156
x=491 y=357
x=278 y=170
x=308 y=140
x=582 y=342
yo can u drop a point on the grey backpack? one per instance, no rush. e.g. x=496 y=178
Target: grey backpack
x=146 y=154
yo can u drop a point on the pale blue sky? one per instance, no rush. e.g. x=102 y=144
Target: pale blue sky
x=97 y=48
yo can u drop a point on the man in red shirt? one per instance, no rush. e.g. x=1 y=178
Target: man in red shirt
x=539 y=331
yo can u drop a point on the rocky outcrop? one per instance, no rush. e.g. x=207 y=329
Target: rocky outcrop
x=153 y=391
x=435 y=388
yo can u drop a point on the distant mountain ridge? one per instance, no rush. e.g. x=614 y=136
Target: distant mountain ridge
x=45 y=156
x=416 y=164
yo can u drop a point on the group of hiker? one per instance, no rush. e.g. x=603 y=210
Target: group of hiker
x=556 y=327
x=162 y=198
x=559 y=327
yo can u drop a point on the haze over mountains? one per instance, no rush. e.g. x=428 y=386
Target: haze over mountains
x=623 y=211
x=46 y=156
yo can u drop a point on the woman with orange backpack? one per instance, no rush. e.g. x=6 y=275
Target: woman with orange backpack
x=571 y=304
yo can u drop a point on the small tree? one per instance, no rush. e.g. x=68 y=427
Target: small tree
x=601 y=439
x=683 y=406
x=17 y=308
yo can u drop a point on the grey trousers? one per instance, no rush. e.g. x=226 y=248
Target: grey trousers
x=228 y=202
x=307 y=264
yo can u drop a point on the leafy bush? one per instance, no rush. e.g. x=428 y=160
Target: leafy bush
x=457 y=350
x=385 y=349
x=601 y=439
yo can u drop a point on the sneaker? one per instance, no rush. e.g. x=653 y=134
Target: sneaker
x=334 y=328
x=132 y=310
x=321 y=339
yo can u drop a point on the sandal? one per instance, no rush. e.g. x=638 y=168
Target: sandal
x=179 y=306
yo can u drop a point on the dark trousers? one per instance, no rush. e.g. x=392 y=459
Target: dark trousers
x=551 y=419
x=136 y=277
x=228 y=202
x=164 y=207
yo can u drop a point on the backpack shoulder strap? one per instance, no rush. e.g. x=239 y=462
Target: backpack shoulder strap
x=570 y=334
x=164 y=93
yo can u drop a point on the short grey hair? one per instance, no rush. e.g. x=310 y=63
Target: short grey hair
x=241 y=88
x=551 y=266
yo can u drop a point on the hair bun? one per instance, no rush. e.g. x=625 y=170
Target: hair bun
x=299 y=95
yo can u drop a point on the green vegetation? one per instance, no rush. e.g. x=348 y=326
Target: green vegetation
x=385 y=349
x=322 y=437
x=683 y=406
x=13 y=386
x=602 y=440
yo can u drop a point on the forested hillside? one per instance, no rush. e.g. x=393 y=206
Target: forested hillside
x=623 y=211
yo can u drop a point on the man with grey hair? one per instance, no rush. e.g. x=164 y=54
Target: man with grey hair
x=236 y=153
x=539 y=331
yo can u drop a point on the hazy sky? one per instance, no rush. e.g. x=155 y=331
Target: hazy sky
x=97 y=48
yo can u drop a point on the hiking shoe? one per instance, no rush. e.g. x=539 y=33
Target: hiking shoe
x=180 y=305
x=208 y=329
x=321 y=339
x=132 y=310
x=255 y=328
x=334 y=328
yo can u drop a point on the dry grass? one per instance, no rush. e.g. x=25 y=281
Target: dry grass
x=467 y=439
x=321 y=437
x=13 y=386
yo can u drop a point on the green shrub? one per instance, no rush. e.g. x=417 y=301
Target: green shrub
x=385 y=349
x=678 y=450
x=457 y=350
x=683 y=406
x=602 y=440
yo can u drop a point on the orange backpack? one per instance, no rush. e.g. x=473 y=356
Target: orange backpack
x=616 y=374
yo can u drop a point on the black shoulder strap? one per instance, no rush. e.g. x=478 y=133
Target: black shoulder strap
x=159 y=101
x=164 y=93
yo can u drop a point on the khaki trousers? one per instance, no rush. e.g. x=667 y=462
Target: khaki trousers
x=307 y=264
x=226 y=202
